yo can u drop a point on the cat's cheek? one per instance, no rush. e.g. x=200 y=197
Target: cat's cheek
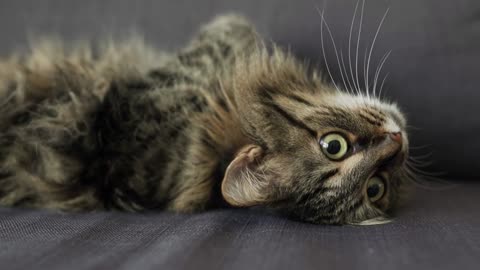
x=345 y=167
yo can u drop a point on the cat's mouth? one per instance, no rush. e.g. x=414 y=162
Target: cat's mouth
x=393 y=161
x=395 y=154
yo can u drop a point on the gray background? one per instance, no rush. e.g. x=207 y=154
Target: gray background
x=433 y=69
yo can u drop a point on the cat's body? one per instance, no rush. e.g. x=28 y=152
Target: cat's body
x=133 y=129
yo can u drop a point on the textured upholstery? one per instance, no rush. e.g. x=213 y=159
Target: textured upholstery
x=439 y=230
x=433 y=75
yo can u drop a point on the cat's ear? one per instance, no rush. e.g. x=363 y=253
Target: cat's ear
x=244 y=184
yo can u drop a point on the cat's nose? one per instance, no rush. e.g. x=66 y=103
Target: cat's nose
x=396 y=136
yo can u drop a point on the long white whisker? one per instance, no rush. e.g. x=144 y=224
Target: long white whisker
x=373 y=45
x=358 y=44
x=381 y=86
x=422 y=172
x=340 y=64
x=427 y=182
x=420 y=146
x=323 y=50
x=413 y=127
x=379 y=69
x=420 y=163
x=416 y=173
x=334 y=47
x=350 y=45
x=367 y=88
x=349 y=88
x=420 y=157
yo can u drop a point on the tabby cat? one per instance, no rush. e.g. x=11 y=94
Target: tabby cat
x=226 y=121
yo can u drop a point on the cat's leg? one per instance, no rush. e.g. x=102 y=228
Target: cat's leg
x=195 y=190
x=208 y=57
x=221 y=40
x=211 y=52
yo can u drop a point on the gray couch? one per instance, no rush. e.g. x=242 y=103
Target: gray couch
x=434 y=75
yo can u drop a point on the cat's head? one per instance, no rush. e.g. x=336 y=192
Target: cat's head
x=322 y=155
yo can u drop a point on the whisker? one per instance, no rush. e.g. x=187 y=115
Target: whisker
x=418 y=161
x=381 y=86
x=350 y=45
x=349 y=87
x=340 y=64
x=429 y=183
x=421 y=164
x=367 y=88
x=420 y=146
x=333 y=43
x=371 y=48
x=323 y=49
x=420 y=157
x=413 y=127
x=379 y=69
x=358 y=44
x=422 y=172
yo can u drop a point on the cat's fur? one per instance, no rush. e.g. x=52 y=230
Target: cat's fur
x=223 y=122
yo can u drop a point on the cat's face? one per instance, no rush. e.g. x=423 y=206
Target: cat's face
x=322 y=155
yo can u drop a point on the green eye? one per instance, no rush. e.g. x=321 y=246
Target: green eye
x=334 y=146
x=375 y=189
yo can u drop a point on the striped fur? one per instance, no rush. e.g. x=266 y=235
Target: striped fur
x=126 y=127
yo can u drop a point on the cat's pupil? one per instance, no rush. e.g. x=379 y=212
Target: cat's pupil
x=373 y=191
x=334 y=147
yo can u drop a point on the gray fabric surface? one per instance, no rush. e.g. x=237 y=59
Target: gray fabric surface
x=433 y=68
x=437 y=230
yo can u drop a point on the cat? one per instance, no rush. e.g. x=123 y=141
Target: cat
x=225 y=122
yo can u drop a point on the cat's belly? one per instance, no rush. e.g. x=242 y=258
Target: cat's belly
x=143 y=138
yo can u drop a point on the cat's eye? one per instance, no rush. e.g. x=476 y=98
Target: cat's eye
x=334 y=146
x=375 y=189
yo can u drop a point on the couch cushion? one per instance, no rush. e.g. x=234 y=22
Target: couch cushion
x=436 y=230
